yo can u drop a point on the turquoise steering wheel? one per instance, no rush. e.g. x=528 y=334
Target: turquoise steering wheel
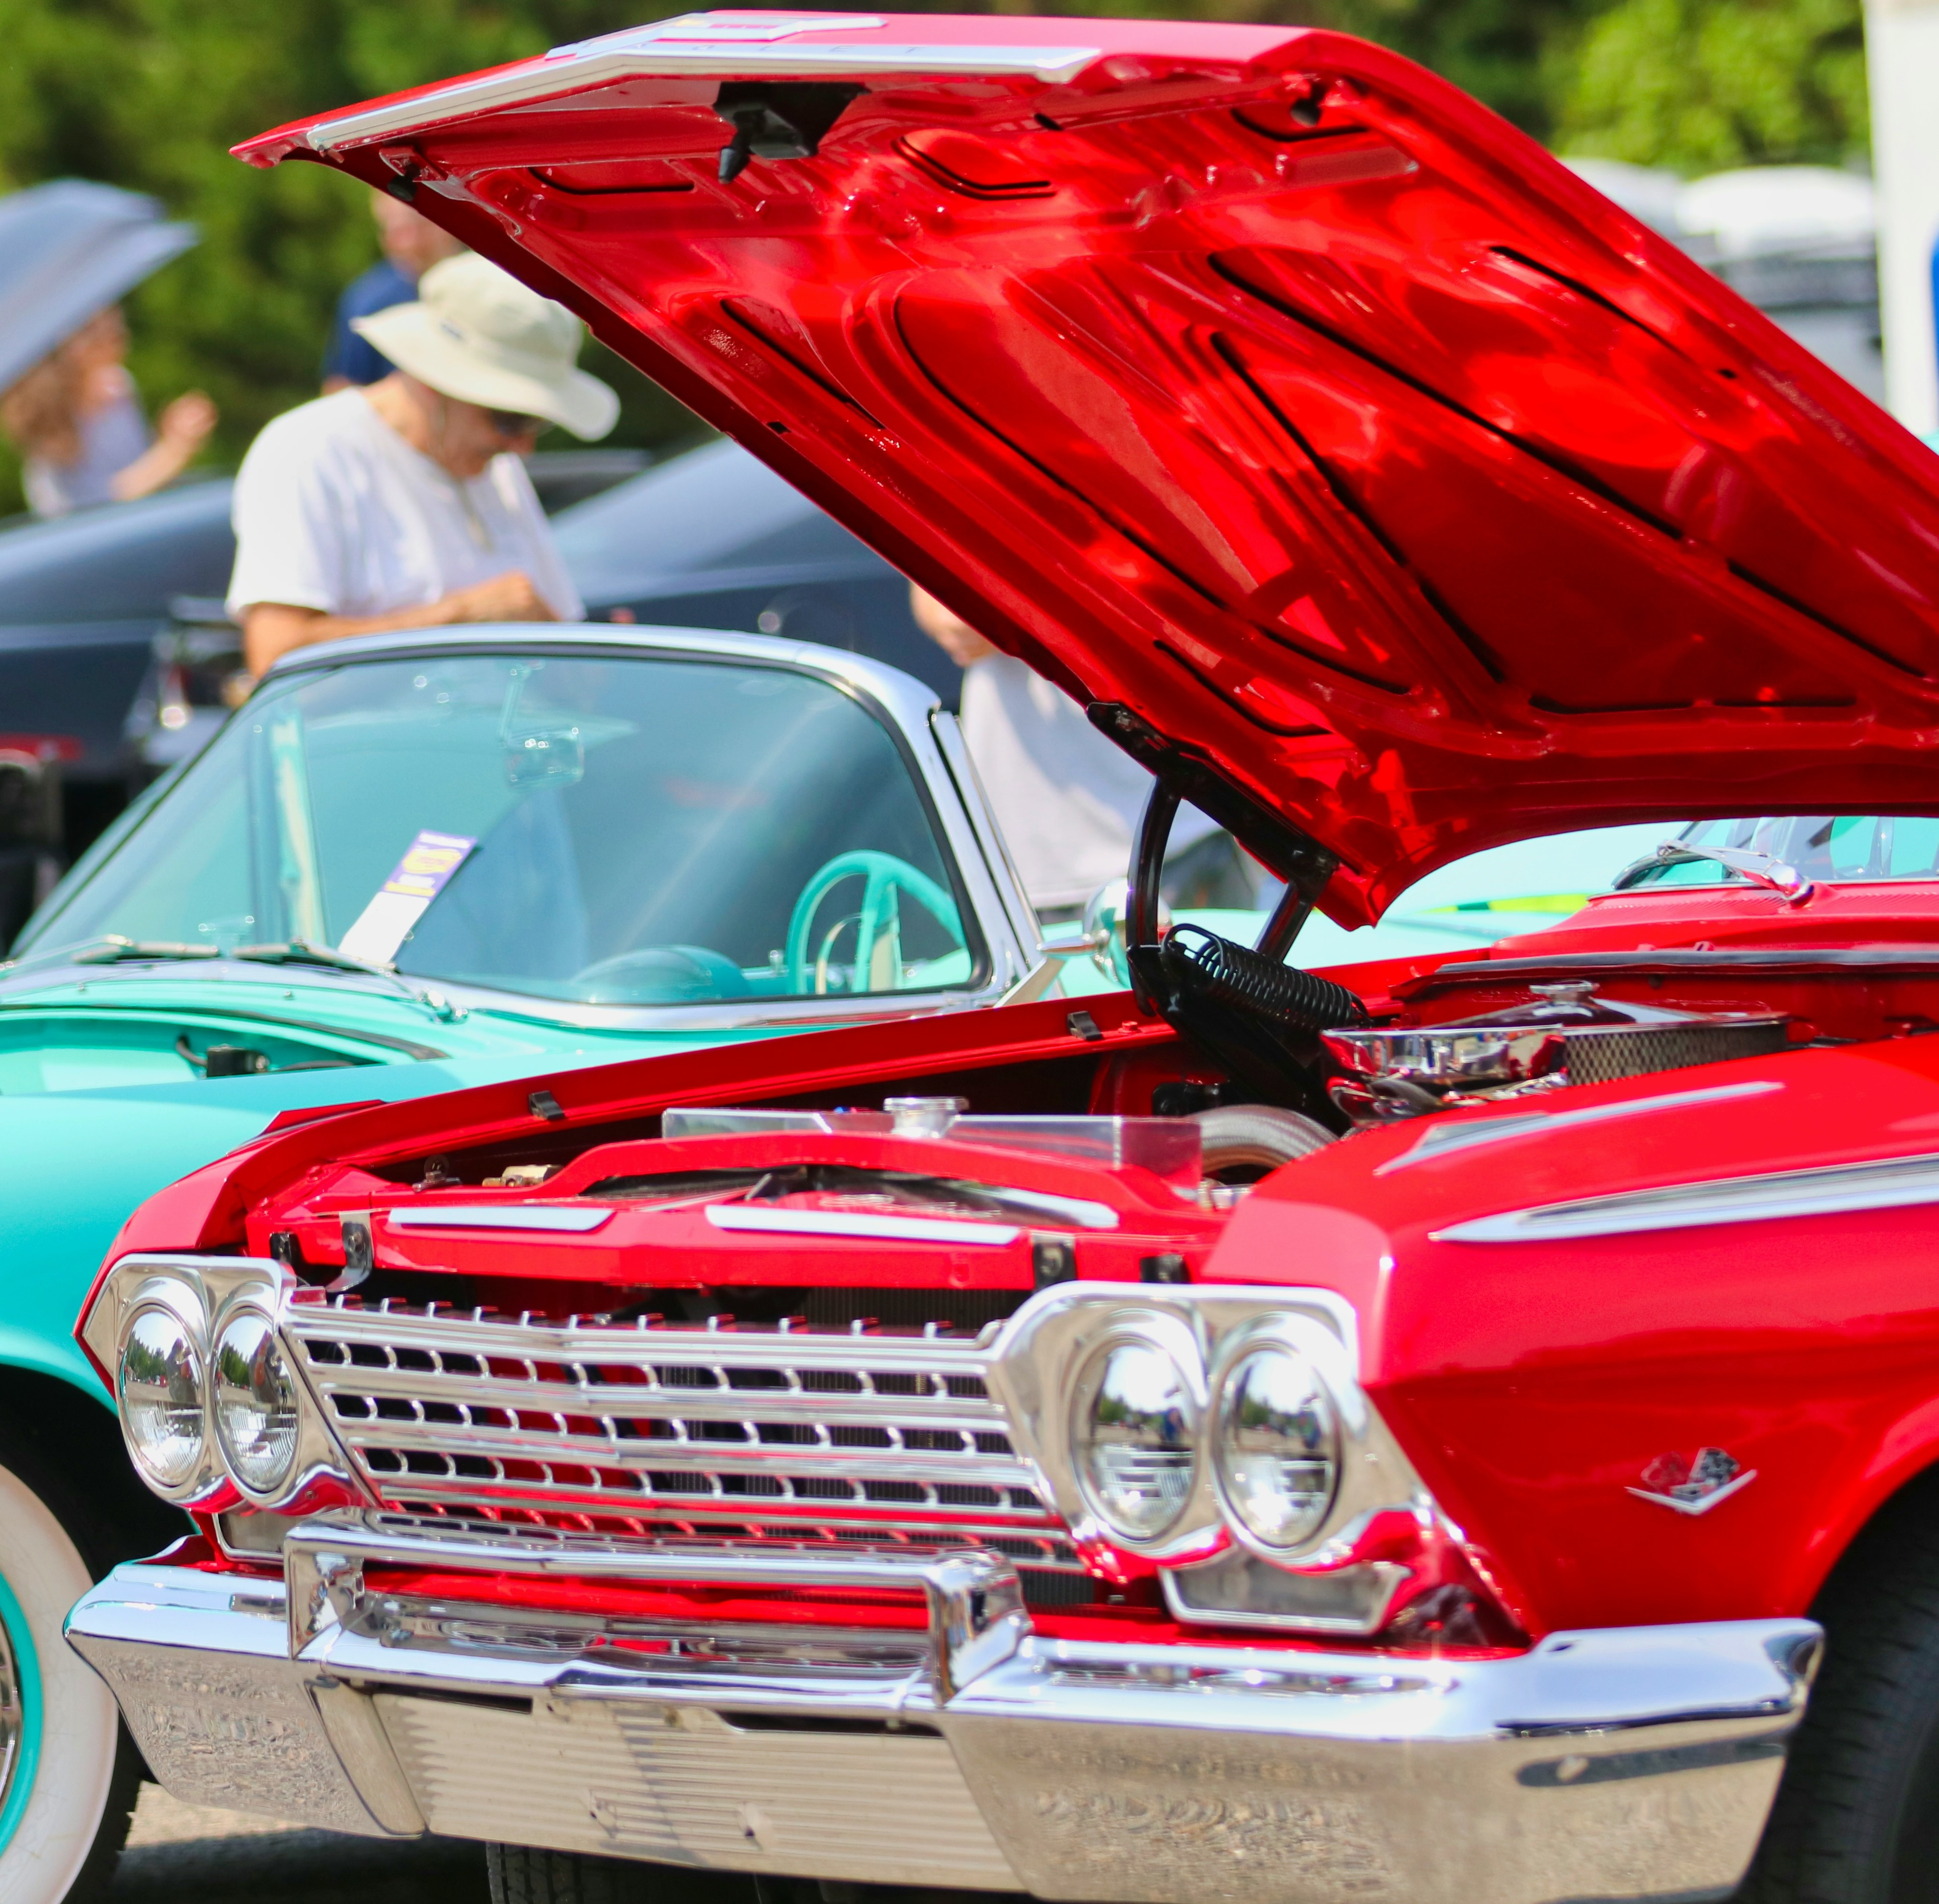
x=883 y=876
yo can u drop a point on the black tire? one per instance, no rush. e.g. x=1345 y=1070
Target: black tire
x=1857 y=1817
x=53 y=1542
x=520 y=1876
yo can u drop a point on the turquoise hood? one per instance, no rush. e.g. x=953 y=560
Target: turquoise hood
x=100 y=1108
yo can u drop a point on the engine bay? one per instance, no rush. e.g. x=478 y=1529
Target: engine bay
x=1109 y=1162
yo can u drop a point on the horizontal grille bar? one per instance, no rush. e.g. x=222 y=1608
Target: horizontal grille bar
x=1047 y=1549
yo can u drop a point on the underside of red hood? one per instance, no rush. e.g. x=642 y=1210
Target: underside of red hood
x=1251 y=380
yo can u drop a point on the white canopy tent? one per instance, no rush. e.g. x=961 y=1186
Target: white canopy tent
x=1902 y=61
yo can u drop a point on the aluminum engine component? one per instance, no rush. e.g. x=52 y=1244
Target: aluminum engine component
x=1566 y=1034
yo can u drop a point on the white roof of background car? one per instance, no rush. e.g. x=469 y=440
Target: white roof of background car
x=911 y=701
x=1758 y=211
x=1750 y=211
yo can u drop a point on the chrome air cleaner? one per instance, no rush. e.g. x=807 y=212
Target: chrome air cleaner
x=1565 y=1035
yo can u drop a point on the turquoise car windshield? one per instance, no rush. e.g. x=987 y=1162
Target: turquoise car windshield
x=618 y=830
x=1869 y=846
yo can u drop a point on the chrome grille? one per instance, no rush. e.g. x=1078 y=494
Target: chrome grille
x=769 y=1433
x=1596 y=1054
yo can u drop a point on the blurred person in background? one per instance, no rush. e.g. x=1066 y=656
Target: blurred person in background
x=78 y=420
x=405 y=504
x=1067 y=801
x=411 y=245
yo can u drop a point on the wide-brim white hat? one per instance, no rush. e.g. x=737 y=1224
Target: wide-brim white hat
x=477 y=334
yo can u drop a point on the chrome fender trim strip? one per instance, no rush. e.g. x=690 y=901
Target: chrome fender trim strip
x=1895 y=1183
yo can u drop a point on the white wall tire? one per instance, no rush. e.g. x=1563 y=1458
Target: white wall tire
x=70 y=1781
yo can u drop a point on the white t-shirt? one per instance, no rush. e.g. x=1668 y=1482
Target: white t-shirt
x=1068 y=801
x=334 y=510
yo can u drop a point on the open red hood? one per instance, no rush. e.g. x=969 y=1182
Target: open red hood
x=1250 y=380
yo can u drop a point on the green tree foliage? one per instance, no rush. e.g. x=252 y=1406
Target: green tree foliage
x=1700 y=85
x=1495 y=49
x=150 y=94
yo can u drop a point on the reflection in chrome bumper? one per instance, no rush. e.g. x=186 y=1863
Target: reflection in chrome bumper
x=1634 y=1762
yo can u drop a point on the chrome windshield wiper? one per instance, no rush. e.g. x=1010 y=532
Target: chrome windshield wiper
x=112 y=948
x=1764 y=869
x=300 y=951
x=108 y=949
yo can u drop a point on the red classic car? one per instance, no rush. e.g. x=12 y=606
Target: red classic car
x=1408 y=1432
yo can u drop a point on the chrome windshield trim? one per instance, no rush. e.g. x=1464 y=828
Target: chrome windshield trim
x=778 y=1015
x=910 y=699
x=1005 y=882
x=1764 y=869
x=1894 y=1183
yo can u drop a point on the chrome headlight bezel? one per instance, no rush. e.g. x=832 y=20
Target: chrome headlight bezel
x=1039 y=1355
x=205 y=1294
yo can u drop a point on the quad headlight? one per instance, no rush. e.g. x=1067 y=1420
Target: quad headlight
x=1215 y=1435
x=158 y=1387
x=214 y=1407
x=1276 y=1456
x=253 y=1400
x=1134 y=1433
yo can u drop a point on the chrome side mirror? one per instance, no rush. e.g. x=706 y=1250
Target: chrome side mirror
x=1106 y=914
x=1103 y=936
x=1107 y=929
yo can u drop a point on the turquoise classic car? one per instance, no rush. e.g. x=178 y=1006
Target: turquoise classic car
x=413 y=863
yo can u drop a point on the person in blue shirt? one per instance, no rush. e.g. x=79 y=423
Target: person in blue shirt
x=411 y=245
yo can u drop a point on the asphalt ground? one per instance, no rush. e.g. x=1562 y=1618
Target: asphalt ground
x=180 y=1853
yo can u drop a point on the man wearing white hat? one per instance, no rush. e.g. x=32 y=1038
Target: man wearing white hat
x=404 y=505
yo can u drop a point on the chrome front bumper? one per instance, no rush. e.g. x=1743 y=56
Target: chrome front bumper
x=1629 y=1762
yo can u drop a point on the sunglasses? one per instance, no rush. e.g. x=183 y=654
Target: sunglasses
x=512 y=423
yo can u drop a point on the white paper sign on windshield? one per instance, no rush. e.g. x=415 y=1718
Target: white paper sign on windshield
x=427 y=866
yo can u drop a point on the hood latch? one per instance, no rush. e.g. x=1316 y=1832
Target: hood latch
x=777 y=119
